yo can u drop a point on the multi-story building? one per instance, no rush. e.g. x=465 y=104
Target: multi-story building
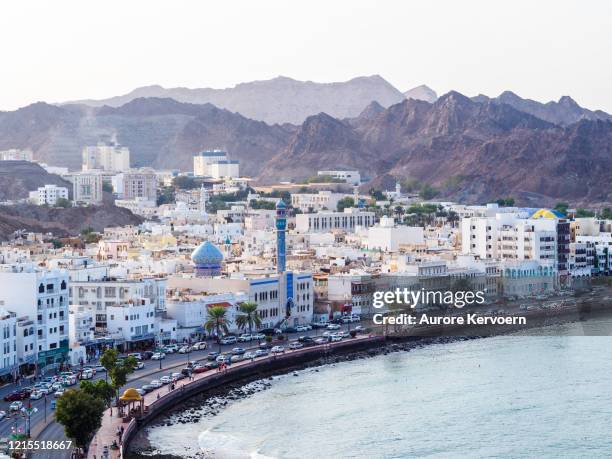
x=106 y=157
x=315 y=202
x=215 y=164
x=389 y=237
x=81 y=324
x=131 y=322
x=8 y=342
x=48 y=195
x=136 y=184
x=351 y=177
x=15 y=154
x=41 y=295
x=27 y=347
x=87 y=188
x=321 y=222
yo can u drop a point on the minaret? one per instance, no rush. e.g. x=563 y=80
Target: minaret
x=398 y=189
x=281 y=227
x=203 y=200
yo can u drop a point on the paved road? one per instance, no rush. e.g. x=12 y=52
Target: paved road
x=172 y=363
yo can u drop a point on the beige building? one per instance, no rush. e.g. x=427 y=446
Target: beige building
x=106 y=157
x=87 y=188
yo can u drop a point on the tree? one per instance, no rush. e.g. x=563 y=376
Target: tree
x=63 y=202
x=377 y=195
x=428 y=192
x=345 y=203
x=184 y=182
x=584 y=213
x=505 y=202
x=107 y=187
x=248 y=316
x=218 y=322
x=562 y=207
x=81 y=415
x=99 y=389
x=117 y=371
x=606 y=213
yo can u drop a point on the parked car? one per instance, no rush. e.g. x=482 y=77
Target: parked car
x=222 y=358
x=333 y=327
x=86 y=373
x=100 y=369
x=265 y=345
x=228 y=340
x=258 y=336
x=277 y=350
x=320 y=340
x=296 y=345
x=238 y=351
x=140 y=365
x=165 y=379
x=261 y=352
x=36 y=395
x=346 y=320
x=200 y=346
x=147 y=388
x=301 y=328
x=59 y=393
x=244 y=338
x=16 y=405
x=187 y=371
x=176 y=376
x=185 y=350
x=141 y=391
x=249 y=355
x=212 y=355
x=15 y=396
x=199 y=368
x=156 y=383
x=90 y=367
x=211 y=365
x=2 y=414
x=56 y=386
x=158 y=356
x=136 y=355
x=305 y=339
x=335 y=337
x=146 y=355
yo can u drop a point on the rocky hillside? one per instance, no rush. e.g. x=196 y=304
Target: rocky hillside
x=422 y=92
x=62 y=222
x=18 y=178
x=280 y=100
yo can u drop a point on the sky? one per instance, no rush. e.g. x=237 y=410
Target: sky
x=64 y=50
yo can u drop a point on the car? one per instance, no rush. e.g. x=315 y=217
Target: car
x=301 y=328
x=343 y=334
x=165 y=379
x=136 y=355
x=335 y=337
x=249 y=355
x=228 y=340
x=290 y=330
x=15 y=396
x=141 y=392
x=355 y=318
x=69 y=381
x=156 y=383
x=277 y=350
x=139 y=365
x=91 y=368
x=16 y=405
x=333 y=327
x=212 y=355
x=238 y=351
x=2 y=414
x=36 y=395
x=265 y=345
x=261 y=352
x=56 y=386
x=67 y=373
x=158 y=356
x=359 y=329
x=176 y=376
x=320 y=340
x=58 y=393
x=346 y=320
x=147 y=388
x=244 y=338
x=296 y=345
x=146 y=355
x=43 y=387
x=86 y=373
x=185 y=350
x=222 y=358
x=200 y=346
x=326 y=333
x=308 y=327
x=171 y=348
x=258 y=336
x=211 y=365
x=305 y=339
x=100 y=369
x=199 y=368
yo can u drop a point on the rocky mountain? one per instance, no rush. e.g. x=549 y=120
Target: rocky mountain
x=279 y=100
x=18 y=178
x=63 y=222
x=473 y=151
x=422 y=92
x=162 y=133
x=564 y=112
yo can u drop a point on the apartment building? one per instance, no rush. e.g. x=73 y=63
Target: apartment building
x=15 y=154
x=350 y=177
x=322 y=222
x=87 y=187
x=8 y=342
x=136 y=184
x=48 y=195
x=106 y=158
x=315 y=202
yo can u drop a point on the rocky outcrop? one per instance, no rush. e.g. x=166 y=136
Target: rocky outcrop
x=18 y=178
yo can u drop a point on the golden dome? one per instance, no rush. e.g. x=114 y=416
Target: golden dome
x=130 y=395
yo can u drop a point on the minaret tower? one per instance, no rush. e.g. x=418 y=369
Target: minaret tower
x=281 y=228
x=203 y=200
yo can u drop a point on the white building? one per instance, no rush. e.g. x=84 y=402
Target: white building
x=215 y=164
x=131 y=322
x=81 y=324
x=329 y=221
x=136 y=184
x=388 y=236
x=351 y=177
x=15 y=154
x=87 y=188
x=27 y=347
x=315 y=202
x=48 y=195
x=106 y=157
x=40 y=295
x=8 y=342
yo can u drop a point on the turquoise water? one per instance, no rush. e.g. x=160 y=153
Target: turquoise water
x=511 y=397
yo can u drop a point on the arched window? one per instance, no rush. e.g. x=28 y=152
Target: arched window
x=41 y=288
x=63 y=285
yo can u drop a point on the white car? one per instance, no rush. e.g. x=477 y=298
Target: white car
x=335 y=337
x=165 y=379
x=16 y=406
x=244 y=338
x=36 y=395
x=296 y=345
x=185 y=350
x=2 y=414
x=333 y=327
x=301 y=328
x=229 y=340
x=139 y=365
x=58 y=393
x=249 y=355
x=87 y=374
x=171 y=348
x=200 y=346
x=156 y=383
x=158 y=356
x=258 y=336
x=277 y=350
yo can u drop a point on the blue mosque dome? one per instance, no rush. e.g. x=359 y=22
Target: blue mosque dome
x=281 y=204
x=207 y=259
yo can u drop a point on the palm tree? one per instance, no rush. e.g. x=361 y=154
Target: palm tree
x=217 y=322
x=248 y=316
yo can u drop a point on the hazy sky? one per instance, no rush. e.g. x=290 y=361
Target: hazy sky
x=64 y=50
